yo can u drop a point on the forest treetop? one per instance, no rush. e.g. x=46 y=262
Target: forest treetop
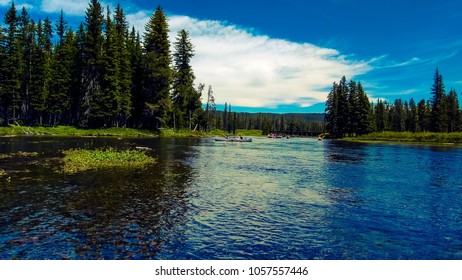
x=349 y=111
x=101 y=75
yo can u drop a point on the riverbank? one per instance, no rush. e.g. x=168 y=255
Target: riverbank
x=70 y=131
x=409 y=137
x=74 y=131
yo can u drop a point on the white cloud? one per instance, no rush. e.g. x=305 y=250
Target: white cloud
x=69 y=7
x=18 y=5
x=5 y=2
x=138 y=20
x=257 y=71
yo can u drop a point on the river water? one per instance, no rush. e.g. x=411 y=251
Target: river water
x=270 y=199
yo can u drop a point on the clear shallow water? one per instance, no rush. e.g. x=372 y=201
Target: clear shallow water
x=270 y=199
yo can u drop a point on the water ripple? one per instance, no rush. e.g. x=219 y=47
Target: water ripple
x=287 y=199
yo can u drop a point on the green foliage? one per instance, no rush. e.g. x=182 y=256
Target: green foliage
x=182 y=133
x=348 y=110
x=186 y=99
x=252 y=132
x=137 y=71
x=99 y=76
x=19 y=154
x=439 y=106
x=40 y=71
x=210 y=109
x=12 y=67
x=440 y=114
x=454 y=114
x=420 y=137
x=79 y=160
x=59 y=100
x=73 y=131
x=94 y=99
x=157 y=71
x=125 y=74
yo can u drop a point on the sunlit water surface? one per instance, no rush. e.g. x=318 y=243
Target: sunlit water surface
x=269 y=199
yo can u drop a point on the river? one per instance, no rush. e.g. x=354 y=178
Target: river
x=270 y=199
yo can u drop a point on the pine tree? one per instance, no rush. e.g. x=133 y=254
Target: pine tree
x=397 y=116
x=423 y=115
x=40 y=78
x=93 y=97
x=27 y=39
x=12 y=67
x=331 y=113
x=229 y=119
x=353 y=100
x=363 y=115
x=125 y=74
x=235 y=122
x=344 y=109
x=438 y=105
x=225 y=117
x=158 y=75
x=62 y=77
x=380 y=116
x=210 y=110
x=2 y=72
x=108 y=101
x=59 y=100
x=136 y=61
x=453 y=111
x=413 y=116
x=77 y=90
x=186 y=99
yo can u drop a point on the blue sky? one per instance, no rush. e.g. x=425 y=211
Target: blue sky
x=283 y=56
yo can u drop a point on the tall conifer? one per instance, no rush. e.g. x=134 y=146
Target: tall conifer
x=93 y=114
x=158 y=74
x=438 y=104
x=453 y=111
x=138 y=101
x=125 y=74
x=186 y=98
x=12 y=67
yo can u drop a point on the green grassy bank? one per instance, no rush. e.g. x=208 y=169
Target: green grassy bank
x=74 y=131
x=409 y=137
x=113 y=132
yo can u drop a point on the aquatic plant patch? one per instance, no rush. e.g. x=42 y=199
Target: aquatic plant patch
x=78 y=160
x=19 y=154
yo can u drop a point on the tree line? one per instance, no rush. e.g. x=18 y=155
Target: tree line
x=348 y=111
x=102 y=75
x=290 y=123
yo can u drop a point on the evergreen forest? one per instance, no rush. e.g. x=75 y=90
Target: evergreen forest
x=105 y=74
x=350 y=113
x=101 y=75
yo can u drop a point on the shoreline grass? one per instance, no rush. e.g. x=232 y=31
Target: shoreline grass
x=74 y=131
x=79 y=160
x=70 y=131
x=409 y=137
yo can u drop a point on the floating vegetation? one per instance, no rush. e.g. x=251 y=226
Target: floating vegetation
x=19 y=154
x=78 y=160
